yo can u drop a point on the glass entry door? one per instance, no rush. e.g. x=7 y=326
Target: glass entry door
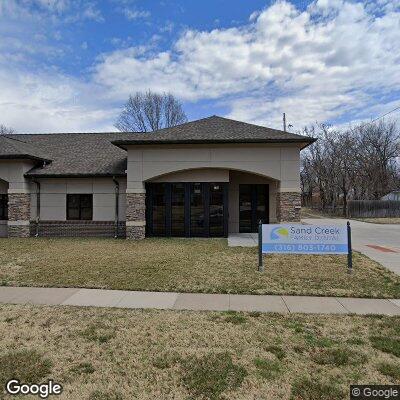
x=187 y=209
x=216 y=215
x=253 y=206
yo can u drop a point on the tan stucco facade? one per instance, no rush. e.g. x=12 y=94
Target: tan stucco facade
x=280 y=163
x=277 y=166
x=54 y=192
x=53 y=195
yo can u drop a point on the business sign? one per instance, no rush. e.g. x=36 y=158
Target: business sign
x=304 y=239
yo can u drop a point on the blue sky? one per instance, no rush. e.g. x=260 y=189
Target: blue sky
x=69 y=65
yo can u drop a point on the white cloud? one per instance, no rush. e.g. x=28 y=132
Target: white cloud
x=334 y=61
x=52 y=102
x=55 y=11
x=316 y=64
x=132 y=14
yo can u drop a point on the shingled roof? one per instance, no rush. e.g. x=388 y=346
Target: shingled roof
x=74 y=154
x=215 y=130
x=103 y=154
x=13 y=148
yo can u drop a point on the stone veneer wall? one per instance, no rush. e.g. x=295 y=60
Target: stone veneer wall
x=135 y=216
x=288 y=206
x=19 y=210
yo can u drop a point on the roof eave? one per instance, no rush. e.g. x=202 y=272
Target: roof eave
x=311 y=141
x=75 y=175
x=122 y=143
x=23 y=157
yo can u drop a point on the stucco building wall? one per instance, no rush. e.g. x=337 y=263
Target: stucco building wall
x=280 y=163
x=53 y=197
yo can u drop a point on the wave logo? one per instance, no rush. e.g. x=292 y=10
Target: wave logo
x=278 y=233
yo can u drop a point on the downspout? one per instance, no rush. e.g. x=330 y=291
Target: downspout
x=37 y=207
x=116 y=207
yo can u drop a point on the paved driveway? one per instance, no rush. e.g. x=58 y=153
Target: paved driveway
x=377 y=241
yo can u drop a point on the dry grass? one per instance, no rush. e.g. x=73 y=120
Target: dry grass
x=186 y=265
x=390 y=221
x=197 y=355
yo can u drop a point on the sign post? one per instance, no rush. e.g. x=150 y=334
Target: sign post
x=304 y=239
x=260 y=254
x=350 y=252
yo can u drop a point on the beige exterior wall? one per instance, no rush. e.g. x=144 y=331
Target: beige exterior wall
x=13 y=172
x=281 y=163
x=196 y=175
x=277 y=166
x=53 y=199
x=237 y=178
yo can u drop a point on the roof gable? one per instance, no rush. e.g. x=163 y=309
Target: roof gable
x=215 y=130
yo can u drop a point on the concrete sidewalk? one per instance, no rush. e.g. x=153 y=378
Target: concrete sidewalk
x=197 y=301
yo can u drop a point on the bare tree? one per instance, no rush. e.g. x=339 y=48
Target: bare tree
x=360 y=163
x=4 y=130
x=145 y=112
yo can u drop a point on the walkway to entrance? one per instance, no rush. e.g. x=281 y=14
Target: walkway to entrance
x=197 y=301
x=243 y=239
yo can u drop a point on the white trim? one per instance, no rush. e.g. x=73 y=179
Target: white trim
x=135 y=190
x=18 y=223
x=19 y=191
x=287 y=190
x=3 y=222
x=135 y=223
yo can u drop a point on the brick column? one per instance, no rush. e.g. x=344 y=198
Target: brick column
x=135 y=216
x=19 y=211
x=288 y=206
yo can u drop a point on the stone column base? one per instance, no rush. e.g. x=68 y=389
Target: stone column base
x=135 y=216
x=288 y=206
x=19 y=211
x=135 y=232
x=21 y=231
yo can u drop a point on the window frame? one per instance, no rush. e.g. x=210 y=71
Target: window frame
x=82 y=197
x=3 y=206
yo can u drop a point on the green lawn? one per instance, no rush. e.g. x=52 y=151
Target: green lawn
x=186 y=265
x=115 y=354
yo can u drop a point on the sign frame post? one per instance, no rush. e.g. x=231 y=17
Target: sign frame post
x=350 y=251
x=260 y=255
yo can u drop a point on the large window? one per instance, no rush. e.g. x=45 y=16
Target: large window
x=3 y=206
x=187 y=209
x=79 y=206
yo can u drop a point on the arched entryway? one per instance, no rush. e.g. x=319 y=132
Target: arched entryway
x=208 y=202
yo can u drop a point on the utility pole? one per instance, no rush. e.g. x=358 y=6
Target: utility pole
x=284 y=122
